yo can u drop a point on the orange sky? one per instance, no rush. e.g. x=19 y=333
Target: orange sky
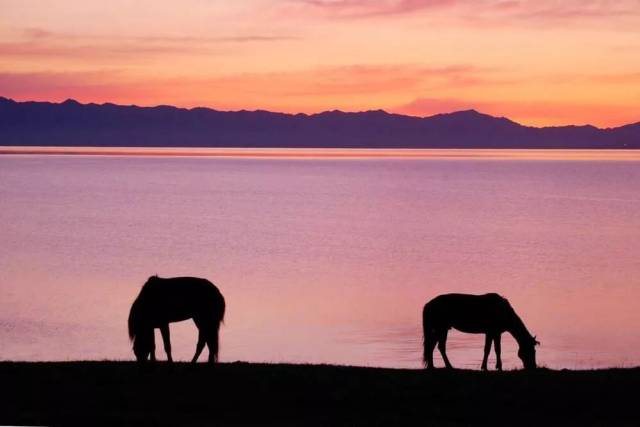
x=538 y=62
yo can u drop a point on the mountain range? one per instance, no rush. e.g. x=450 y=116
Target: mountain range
x=71 y=123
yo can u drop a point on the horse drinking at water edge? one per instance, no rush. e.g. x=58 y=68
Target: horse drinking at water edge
x=488 y=314
x=162 y=301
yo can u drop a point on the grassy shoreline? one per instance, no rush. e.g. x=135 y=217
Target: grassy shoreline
x=120 y=393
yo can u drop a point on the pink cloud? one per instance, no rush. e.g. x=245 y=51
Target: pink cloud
x=39 y=42
x=367 y=8
x=572 y=9
x=87 y=50
x=35 y=33
x=483 y=12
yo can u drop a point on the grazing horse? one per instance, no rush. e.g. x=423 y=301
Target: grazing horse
x=162 y=301
x=488 y=314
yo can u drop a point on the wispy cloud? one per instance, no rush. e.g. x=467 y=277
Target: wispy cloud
x=85 y=50
x=503 y=12
x=39 y=42
x=43 y=34
x=572 y=9
x=367 y=8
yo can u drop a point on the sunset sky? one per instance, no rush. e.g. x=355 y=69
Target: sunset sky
x=537 y=62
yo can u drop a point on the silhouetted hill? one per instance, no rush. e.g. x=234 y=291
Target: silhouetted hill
x=73 y=124
x=243 y=394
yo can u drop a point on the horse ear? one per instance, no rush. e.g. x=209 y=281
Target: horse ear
x=535 y=341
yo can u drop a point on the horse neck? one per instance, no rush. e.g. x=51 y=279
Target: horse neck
x=517 y=329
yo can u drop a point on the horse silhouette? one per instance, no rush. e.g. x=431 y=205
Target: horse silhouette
x=165 y=300
x=488 y=314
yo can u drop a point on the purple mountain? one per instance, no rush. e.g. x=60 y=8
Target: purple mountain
x=73 y=124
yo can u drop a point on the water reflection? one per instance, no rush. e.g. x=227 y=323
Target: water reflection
x=321 y=261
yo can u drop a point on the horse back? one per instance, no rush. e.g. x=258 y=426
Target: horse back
x=488 y=313
x=181 y=298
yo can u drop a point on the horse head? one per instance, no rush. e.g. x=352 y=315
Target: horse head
x=527 y=353
x=143 y=345
x=140 y=332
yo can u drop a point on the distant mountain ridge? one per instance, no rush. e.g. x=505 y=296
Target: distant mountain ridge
x=71 y=123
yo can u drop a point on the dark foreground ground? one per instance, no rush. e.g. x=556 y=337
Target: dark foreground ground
x=119 y=393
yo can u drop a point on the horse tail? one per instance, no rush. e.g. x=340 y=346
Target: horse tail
x=133 y=319
x=130 y=324
x=425 y=333
x=220 y=308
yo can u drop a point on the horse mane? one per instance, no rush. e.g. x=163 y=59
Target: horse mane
x=518 y=325
x=150 y=281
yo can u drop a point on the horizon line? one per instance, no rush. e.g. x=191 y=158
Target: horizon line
x=567 y=154
x=260 y=110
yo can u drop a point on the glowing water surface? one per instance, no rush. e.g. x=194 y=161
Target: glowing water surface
x=322 y=256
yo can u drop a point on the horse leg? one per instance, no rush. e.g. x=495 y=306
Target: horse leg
x=164 y=330
x=496 y=346
x=152 y=351
x=442 y=346
x=487 y=349
x=212 y=343
x=429 y=345
x=208 y=327
x=200 y=345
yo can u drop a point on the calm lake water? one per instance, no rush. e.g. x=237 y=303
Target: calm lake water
x=323 y=259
